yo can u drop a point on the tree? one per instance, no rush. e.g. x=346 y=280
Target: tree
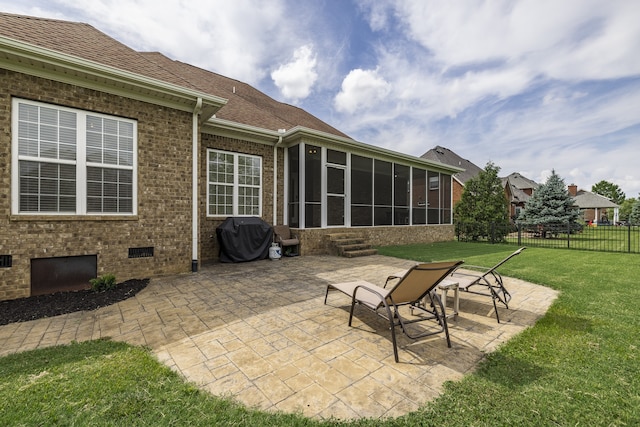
x=634 y=217
x=483 y=202
x=550 y=207
x=625 y=208
x=610 y=191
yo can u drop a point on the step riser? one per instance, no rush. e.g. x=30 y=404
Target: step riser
x=350 y=245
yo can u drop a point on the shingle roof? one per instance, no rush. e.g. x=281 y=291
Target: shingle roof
x=587 y=200
x=448 y=157
x=520 y=182
x=517 y=195
x=246 y=105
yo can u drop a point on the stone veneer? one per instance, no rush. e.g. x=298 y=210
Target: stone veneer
x=315 y=241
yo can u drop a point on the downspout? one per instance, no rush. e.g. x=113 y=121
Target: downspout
x=194 y=186
x=275 y=176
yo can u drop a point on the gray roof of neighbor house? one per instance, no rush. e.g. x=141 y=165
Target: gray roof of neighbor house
x=587 y=200
x=520 y=182
x=517 y=195
x=244 y=104
x=448 y=157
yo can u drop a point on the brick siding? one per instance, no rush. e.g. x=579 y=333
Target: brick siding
x=164 y=193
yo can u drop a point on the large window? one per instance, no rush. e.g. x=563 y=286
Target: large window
x=69 y=161
x=234 y=186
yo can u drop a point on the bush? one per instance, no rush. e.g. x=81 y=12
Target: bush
x=103 y=283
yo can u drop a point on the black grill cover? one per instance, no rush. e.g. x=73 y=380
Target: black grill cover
x=244 y=239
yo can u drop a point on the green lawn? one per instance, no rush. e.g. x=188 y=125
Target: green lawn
x=578 y=366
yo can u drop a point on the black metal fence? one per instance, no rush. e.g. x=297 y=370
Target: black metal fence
x=604 y=238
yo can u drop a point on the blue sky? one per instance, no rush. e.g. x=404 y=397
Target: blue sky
x=533 y=86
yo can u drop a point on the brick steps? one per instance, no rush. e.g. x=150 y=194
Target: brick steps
x=351 y=245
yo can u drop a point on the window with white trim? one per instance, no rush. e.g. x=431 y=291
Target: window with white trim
x=234 y=184
x=69 y=161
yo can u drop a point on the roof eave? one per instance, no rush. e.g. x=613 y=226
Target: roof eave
x=294 y=135
x=46 y=63
x=361 y=147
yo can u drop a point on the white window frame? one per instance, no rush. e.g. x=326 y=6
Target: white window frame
x=81 y=163
x=236 y=186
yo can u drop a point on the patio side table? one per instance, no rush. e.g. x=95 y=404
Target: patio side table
x=450 y=285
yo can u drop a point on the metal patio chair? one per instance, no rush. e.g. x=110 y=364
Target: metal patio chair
x=417 y=284
x=487 y=278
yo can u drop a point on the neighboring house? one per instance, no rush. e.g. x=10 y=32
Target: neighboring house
x=594 y=207
x=448 y=157
x=518 y=190
x=117 y=161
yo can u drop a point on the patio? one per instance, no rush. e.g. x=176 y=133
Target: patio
x=259 y=332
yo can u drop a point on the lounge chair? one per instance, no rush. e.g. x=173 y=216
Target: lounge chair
x=288 y=242
x=487 y=278
x=417 y=284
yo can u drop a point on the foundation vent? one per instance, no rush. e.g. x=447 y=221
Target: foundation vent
x=141 y=252
x=5 y=261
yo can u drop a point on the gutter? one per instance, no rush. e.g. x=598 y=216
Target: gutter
x=194 y=187
x=275 y=176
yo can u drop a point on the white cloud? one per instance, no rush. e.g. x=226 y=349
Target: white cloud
x=361 y=89
x=237 y=39
x=296 y=78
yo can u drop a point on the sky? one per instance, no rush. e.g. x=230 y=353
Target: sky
x=529 y=85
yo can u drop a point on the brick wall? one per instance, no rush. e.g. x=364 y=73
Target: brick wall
x=209 y=248
x=164 y=193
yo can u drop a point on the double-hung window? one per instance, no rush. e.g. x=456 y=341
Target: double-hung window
x=234 y=184
x=68 y=161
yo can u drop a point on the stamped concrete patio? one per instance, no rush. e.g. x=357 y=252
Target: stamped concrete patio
x=260 y=332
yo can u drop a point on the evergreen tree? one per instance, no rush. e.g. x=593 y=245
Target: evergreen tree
x=483 y=203
x=634 y=217
x=551 y=207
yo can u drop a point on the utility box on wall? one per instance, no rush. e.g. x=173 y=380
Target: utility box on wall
x=50 y=275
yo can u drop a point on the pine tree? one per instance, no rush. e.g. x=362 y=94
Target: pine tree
x=551 y=207
x=483 y=202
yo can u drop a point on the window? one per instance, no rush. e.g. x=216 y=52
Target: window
x=234 y=184
x=71 y=161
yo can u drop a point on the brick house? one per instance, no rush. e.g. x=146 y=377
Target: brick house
x=118 y=161
x=594 y=208
x=518 y=190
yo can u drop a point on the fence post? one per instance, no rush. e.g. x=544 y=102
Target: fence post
x=568 y=234
x=519 y=234
x=629 y=236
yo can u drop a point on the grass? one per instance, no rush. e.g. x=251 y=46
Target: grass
x=578 y=366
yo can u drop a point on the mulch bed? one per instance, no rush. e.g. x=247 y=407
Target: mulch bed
x=40 y=306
